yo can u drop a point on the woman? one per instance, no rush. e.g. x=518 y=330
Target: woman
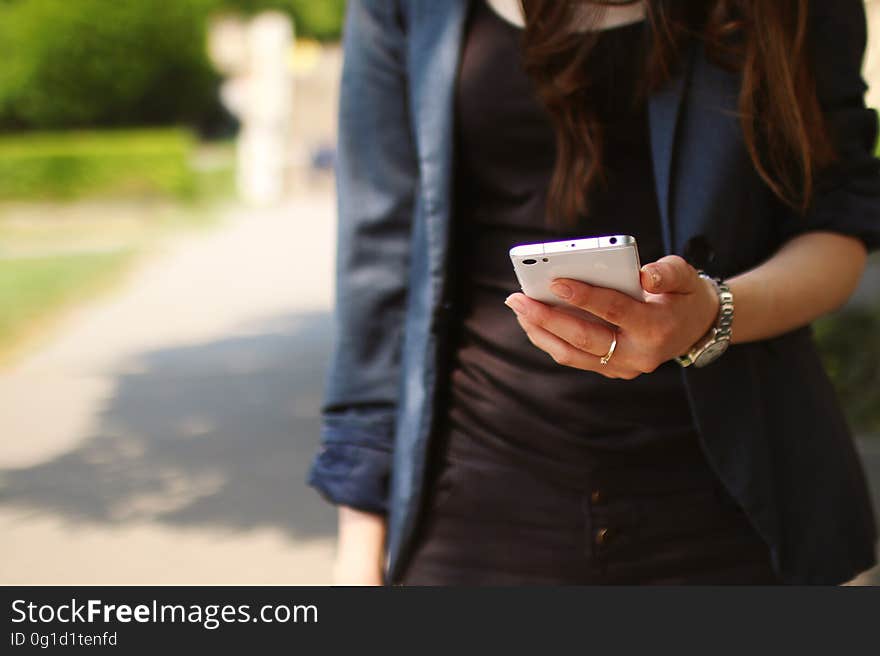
x=465 y=443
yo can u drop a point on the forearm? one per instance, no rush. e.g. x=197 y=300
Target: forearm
x=361 y=541
x=811 y=275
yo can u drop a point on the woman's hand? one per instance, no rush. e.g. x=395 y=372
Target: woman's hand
x=678 y=308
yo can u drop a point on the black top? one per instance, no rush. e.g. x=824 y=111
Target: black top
x=505 y=394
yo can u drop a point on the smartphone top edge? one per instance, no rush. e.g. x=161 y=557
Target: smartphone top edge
x=606 y=241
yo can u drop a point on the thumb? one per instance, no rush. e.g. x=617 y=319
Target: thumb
x=669 y=274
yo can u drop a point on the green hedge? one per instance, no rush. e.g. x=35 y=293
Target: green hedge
x=109 y=163
x=850 y=345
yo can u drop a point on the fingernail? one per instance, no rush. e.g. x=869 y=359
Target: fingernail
x=561 y=290
x=515 y=304
x=655 y=276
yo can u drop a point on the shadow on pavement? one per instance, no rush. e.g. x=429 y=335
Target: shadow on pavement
x=218 y=434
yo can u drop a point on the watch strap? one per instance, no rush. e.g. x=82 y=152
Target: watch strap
x=721 y=330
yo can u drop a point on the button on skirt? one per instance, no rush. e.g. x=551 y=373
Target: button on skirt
x=492 y=522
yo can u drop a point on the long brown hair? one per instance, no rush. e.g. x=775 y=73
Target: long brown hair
x=767 y=41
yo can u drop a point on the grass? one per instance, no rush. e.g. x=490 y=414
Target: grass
x=53 y=255
x=33 y=289
x=70 y=238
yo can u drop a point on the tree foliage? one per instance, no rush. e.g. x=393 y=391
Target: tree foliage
x=73 y=63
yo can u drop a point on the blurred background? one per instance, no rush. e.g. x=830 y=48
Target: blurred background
x=166 y=266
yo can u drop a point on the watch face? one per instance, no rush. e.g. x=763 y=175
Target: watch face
x=712 y=353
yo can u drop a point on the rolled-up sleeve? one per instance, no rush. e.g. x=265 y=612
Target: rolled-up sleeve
x=376 y=176
x=847 y=198
x=353 y=465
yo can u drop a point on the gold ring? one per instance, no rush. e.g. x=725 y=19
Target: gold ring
x=605 y=358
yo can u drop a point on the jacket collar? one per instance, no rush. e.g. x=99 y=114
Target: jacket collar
x=434 y=47
x=664 y=111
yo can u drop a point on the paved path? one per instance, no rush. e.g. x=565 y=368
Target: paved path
x=163 y=434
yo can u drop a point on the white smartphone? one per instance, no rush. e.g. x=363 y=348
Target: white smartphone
x=611 y=261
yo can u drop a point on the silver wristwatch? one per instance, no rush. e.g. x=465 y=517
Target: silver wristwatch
x=714 y=343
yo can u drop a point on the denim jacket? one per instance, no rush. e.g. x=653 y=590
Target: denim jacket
x=767 y=415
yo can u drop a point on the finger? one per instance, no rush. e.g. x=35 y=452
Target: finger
x=669 y=274
x=588 y=336
x=613 y=306
x=561 y=351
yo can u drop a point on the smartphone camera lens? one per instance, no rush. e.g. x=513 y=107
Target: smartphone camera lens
x=530 y=261
x=544 y=259
x=613 y=240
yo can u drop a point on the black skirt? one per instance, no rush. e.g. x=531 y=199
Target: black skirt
x=490 y=521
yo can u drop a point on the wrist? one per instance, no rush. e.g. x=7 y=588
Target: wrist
x=716 y=339
x=710 y=290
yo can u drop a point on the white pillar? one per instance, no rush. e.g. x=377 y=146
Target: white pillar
x=259 y=91
x=872 y=55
